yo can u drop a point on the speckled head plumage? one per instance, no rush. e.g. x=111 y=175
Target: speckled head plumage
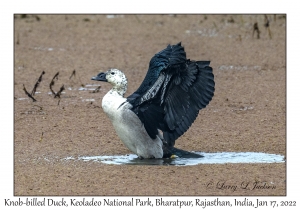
x=116 y=78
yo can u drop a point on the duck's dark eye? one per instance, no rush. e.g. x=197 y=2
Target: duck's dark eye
x=112 y=73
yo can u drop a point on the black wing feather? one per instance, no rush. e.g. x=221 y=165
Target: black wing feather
x=184 y=88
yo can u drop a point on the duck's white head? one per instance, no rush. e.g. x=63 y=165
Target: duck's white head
x=115 y=77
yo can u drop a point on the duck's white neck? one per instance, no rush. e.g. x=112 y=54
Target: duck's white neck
x=120 y=88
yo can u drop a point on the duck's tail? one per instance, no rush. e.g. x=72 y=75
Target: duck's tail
x=171 y=151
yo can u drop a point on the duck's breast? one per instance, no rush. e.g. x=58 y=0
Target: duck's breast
x=129 y=127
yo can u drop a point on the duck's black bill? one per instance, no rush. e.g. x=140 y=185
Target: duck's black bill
x=100 y=77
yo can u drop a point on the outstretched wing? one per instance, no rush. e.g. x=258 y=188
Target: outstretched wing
x=172 y=93
x=161 y=61
x=188 y=93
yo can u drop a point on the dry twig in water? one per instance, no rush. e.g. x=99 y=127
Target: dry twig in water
x=52 y=82
x=97 y=89
x=73 y=74
x=41 y=139
x=37 y=84
x=267 y=25
x=28 y=94
x=255 y=28
x=59 y=92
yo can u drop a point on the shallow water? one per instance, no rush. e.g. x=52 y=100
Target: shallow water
x=209 y=158
x=241 y=68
